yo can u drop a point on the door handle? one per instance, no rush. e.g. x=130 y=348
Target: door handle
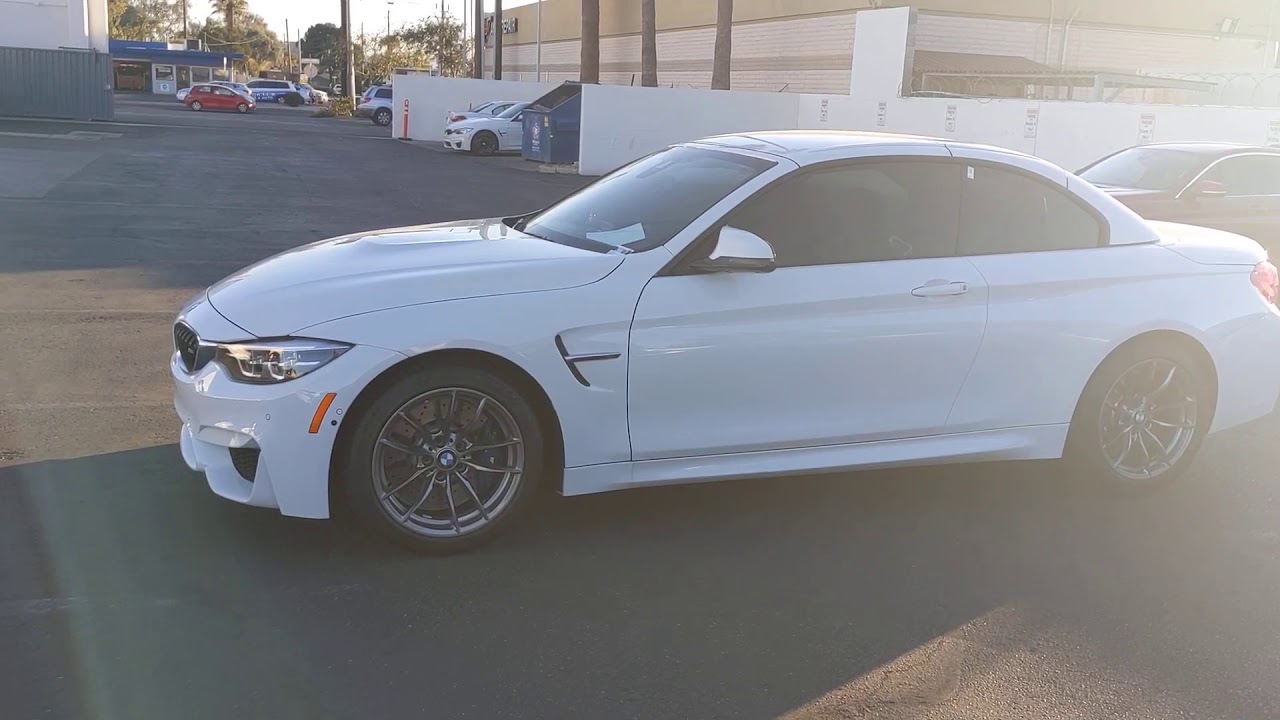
x=940 y=288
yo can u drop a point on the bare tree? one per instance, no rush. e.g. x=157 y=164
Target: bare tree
x=589 y=65
x=648 y=44
x=724 y=45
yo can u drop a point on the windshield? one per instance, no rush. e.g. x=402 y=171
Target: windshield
x=643 y=205
x=513 y=111
x=1145 y=168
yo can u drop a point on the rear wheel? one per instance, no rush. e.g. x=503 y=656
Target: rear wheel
x=1142 y=417
x=484 y=143
x=197 y=105
x=382 y=117
x=443 y=460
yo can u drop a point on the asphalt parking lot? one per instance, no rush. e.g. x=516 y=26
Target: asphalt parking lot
x=128 y=591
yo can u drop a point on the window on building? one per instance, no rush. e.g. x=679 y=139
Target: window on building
x=859 y=212
x=1008 y=212
x=1248 y=175
x=164 y=72
x=201 y=74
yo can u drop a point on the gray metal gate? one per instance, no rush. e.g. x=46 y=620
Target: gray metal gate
x=74 y=84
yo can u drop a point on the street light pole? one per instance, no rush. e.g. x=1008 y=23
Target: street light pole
x=478 y=40
x=537 y=63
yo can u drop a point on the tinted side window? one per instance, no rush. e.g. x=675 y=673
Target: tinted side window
x=1248 y=175
x=1008 y=212
x=860 y=212
x=383 y=93
x=254 y=83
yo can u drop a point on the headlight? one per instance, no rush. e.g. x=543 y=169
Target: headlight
x=275 y=361
x=463 y=130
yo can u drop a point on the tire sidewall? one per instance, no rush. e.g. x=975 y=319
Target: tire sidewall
x=382 y=117
x=357 y=456
x=242 y=108
x=197 y=106
x=1084 y=451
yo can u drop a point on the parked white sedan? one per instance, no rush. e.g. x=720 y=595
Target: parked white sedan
x=503 y=132
x=760 y=304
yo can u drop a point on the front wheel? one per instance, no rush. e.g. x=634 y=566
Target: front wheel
x=443 y=460
x=242 y=108
x=196 y=105
x=1142 y=417
x=484 y=143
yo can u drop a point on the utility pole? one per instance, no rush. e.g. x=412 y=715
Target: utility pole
x=287 y=52
x=389 y=4
x=537 y=63
x=186 y=29
x=348 y=53
x=478 y=40
x=497 y=39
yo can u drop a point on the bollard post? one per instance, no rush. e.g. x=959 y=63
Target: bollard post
x=404 y=130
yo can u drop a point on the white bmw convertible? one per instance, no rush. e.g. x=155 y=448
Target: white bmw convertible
x=751 y=305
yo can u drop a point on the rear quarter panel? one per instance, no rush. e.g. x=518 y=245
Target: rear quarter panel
x=1055 y=316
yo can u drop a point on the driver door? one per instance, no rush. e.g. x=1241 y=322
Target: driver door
x=511 y=136
x=865 y=330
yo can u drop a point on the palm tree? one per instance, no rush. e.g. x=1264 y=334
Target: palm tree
x=648 y=44
x=589 y=71
x=229 y=9
x=724 y=44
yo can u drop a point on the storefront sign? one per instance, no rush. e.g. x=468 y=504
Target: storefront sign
x=825 y=112
x=951 y=118
x=510 y=25
x=882 y=113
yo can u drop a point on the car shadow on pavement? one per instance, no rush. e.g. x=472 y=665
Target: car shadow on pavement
x=130 y=591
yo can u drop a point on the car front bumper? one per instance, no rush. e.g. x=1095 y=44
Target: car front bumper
x=458 y=142
x=265 y=430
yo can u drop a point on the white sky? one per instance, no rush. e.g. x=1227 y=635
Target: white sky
x=302 y=14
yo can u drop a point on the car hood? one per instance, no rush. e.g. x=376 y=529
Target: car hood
x=382 y=269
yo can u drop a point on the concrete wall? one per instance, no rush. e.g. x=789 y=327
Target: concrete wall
x=53 y=24
x=621 y=124
x=811 y=53
x=562 y=19
x=1071 y=134
x=430 y=98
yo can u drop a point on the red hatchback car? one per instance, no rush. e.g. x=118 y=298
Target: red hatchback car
x=217 y=97
x=1229 y=187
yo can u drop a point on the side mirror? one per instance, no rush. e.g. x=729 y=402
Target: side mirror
x=1207 y=189
x=738 y=251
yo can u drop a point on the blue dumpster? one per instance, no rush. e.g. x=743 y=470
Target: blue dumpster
x=551 y=126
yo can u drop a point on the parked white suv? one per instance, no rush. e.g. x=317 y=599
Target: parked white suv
x=376 y=105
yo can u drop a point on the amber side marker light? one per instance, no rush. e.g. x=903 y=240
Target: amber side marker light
x=318 y=419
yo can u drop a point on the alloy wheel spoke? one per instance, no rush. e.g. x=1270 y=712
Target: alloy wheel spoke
x=1146 y=452
x=476 y=420
x=1128 y=448
x=493 y=446
x=1179 y=426
x=419 y=431
x=489 y=468
x=431 y=485
x=453 y=508
x=472 y=491
x=1167 y=382
x=446 y=414
x=405 y=484
x=411 y=451
x=1164 y=451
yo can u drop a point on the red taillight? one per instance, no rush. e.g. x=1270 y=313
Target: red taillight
x=1267 y=280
